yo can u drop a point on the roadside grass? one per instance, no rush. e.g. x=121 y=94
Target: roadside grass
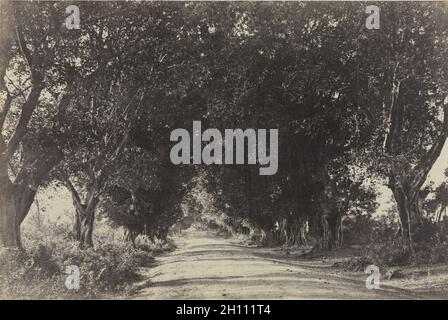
x=107 y=270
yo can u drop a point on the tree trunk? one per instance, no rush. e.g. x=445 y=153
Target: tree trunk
x=408 y=207
x=441 y=213
x=16 y=200
x=83 y=226
x=77 y=225
x=329 y=231
x=406 y=182
x=25 y=195
x=327 y=241
x=84 y=214
x=130 y=236
x=9 y=227
x=86 y=240
x=303 y=232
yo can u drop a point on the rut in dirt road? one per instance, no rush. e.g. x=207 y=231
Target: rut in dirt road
x=206 y=266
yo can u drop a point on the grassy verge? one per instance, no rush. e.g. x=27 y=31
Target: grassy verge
x=41 y=272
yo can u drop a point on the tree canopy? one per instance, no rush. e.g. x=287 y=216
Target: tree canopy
x=93 y=110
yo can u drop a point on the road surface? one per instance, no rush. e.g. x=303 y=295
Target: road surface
x=207 y=266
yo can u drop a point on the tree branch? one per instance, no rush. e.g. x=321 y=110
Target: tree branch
x=395 y=115
x=5 y=109
x=31 y=175
x=25 y=116
x=6 y=37
x=72 y=189
x=118 y=151
x=421 y=171
x=23 y=48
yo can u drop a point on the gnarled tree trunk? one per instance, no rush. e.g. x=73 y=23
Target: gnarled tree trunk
x=83 y=227
x=407 y=205
x=329 y=231
x=84 y=215
x=406 y=181
x=8 y=213
x=86 y=234
x=16 y=198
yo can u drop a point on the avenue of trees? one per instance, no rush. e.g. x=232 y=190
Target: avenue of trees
x=91 y=110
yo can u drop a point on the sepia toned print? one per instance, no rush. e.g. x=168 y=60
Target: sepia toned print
x=223 y=150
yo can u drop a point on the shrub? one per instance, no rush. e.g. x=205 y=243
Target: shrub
x=111 y=267
x=430 y=245
x=389 y=253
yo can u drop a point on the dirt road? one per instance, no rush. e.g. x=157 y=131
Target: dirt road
x=206 y=266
